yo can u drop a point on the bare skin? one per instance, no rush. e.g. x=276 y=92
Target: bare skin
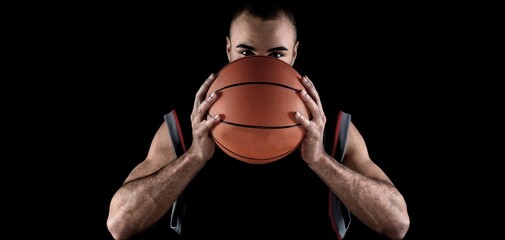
x=153 y=186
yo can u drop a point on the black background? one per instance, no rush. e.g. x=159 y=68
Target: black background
x=120 y=67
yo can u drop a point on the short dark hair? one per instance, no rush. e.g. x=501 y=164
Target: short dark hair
x=265 y=10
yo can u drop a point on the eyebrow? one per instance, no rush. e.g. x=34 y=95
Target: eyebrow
x=254 y=49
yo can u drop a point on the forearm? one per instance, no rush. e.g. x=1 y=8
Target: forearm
x=138 y=204
x=377 y=204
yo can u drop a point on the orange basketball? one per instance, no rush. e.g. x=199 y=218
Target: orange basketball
x=258 y=102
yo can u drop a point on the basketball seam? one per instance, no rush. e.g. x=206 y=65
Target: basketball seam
x=256 y=126
x=259 y=159
x=266 y=83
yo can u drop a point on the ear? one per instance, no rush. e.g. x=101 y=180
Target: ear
x=228 y=47
x=295 y=52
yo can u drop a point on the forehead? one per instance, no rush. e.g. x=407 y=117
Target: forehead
x=254 y=31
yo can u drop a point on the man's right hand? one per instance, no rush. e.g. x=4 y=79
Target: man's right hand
x=203 y=146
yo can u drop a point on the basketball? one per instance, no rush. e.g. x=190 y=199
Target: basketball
x=257 y=106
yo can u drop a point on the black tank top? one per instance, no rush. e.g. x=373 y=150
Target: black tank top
x=232 y=199
x=236 y=199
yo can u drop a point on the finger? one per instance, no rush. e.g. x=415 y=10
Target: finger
x=309 y=85
x=207 y=103
x=202 y=91
x=302 y=120
x=211 y=122
x=207 y=125
x=311 y=104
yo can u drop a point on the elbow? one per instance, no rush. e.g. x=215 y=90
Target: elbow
x=117 y=230
x=398 y=230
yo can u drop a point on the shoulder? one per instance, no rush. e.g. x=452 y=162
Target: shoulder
x=358 y=158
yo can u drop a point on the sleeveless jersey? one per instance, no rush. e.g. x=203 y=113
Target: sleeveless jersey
x=285 y=198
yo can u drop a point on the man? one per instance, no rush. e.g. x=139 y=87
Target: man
x=305 y=194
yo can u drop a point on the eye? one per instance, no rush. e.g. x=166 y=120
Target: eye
x=276 y=54
x=247 y=53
